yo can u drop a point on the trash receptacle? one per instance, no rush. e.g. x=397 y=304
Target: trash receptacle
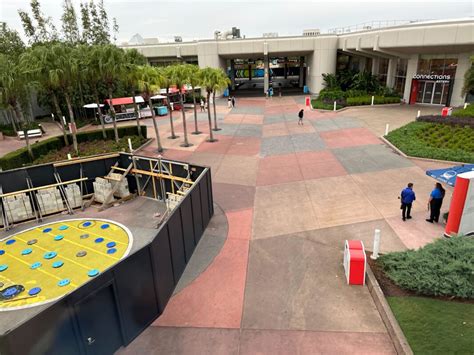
x=162 y=111
x=305 y=89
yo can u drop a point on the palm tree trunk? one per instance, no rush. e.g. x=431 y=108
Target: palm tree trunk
x=173 y=136
x=137 y=115
x=73 y=123
x=157 y=132
x=196 y=130
x=214 y=107
x=112 y=112
x=11 y=117
x=60 y=115
x=101 y=118
x=185 y=130
x=23 y=124
x=211 y=137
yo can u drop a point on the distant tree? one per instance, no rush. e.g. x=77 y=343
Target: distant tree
x=10 y=42
x=115 y=29
x=179 y=77
x=469 y=79
x=41 y=32
x=69 y=23
x=220 y=81
x=193 y=78
x=166 y=75
x=99 y=23
x=207 y=80
x=86 y=23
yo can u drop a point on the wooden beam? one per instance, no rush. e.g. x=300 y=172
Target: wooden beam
x=42 y=187
x=158 y=175
x=85 y=160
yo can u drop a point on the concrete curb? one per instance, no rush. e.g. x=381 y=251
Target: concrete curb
x=349 y=107
x=398 y=151
x=393 y=328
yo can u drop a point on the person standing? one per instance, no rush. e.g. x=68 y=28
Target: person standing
x=229 y=102
x=202 y=105
x=435 y=202
x=233 y=101
x=407 y=197
x=300 y=117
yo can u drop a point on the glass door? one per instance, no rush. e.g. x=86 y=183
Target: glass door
x=428 y=92
x=438 y=94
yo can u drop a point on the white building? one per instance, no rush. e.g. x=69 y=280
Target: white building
x=424 y=61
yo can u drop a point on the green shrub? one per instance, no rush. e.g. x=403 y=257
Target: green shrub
x=19 y=157
x=367 y=100
x=320 y=105
x=435 y=141
x=466 y=112
x=442 y=268
x=331 y=95
x=7 y=129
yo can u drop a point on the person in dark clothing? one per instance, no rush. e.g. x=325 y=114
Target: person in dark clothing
x=407 y=197
x=300 y=117
x=435 y=202
x=233 y=101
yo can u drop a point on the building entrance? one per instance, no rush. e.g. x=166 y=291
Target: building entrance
x=430 y=92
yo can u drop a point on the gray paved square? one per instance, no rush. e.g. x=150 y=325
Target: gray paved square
x=250 y=130
x=324 y=125
x=227 y=129
x=369 y=158
x=276 y=146
x=275 y=118
x=347 y=122
x=307 y=142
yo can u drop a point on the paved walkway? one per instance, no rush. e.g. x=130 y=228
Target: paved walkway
x=291 y=196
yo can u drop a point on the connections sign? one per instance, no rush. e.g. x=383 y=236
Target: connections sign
x=435 y=77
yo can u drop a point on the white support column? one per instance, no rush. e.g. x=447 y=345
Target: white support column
x=266 y=74
x=392 y=67
x=457 y=99
x=412 y=67
x=321 y=61
x=375 y=66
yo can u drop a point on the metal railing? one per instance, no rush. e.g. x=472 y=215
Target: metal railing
x=371 y=25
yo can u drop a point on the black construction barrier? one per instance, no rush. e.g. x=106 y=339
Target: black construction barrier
x=112 y=309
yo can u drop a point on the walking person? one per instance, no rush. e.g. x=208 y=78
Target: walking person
x=435 y=202
x=407 y=197
x=300 y=117
x=203 y=109
x=233 y=101
x=229 y=102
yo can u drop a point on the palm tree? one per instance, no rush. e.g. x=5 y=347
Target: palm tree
x=64 y=74
x=36 y=64
x=111 y=69
x=179 y=76
x=220 y=82
x=13 y=87
x=166 y=74
x=148 y=82
x=194 y=79
x=207 y=79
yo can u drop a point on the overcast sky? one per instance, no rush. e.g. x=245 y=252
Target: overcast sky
x=199 y=19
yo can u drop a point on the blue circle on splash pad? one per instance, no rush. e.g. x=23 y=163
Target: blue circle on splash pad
x=3 y=267
x=34 y=291
x=93 y=272
x=111 y=244
x=10 y=241
x=47 y=230
x=64 y=282
x=57 y=264
x=50 y=254
x=63 y=227
x=2 y=252
x=26 y=251
x=111 y=251
x=58 y=237
x=87 y=224
x=105 y=226
x=99 y=240
x=35 y=265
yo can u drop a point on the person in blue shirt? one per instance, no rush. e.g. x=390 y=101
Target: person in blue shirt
x=407 y=197
x=435 y=202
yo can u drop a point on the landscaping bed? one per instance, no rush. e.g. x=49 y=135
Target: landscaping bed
x=430 y=292
x=435 y=141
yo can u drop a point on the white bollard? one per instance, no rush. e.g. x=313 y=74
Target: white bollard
x=418 y=114
x=465 y=105
x=64 y=120
x=334 y=106
x=372 y=103
x=387 y=126
x=375 y=253
x=69 y=156
x=130 y=145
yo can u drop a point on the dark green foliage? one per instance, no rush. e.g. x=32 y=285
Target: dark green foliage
x=320 y=105
x=466 y=112
x=434 y=326
x=367 y=100
x=331 y=95
x=7 y=129
x=469 y=79
x=330 y=81
x=19 y=158
x=435 y=141
x=451 y=120
x=442 y=268
x=10 y=42
x=365 y=81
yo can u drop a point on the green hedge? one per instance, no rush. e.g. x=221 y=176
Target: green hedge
x=466 y=112
x=367 y=100
x=20 y=157
x=435 y=141
x=7 y=129
x=441 y=268
x=320 y=105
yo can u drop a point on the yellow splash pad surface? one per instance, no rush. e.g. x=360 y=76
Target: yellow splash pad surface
x=46 y=262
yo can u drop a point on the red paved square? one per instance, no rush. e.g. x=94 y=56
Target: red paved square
x=221 y=146
x=244 y=146
x=349 y=138
x=253 y=119
x=278 y=169
x=234 y=118
x=316 y=165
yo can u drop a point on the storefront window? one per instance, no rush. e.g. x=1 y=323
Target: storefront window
x=382 y=70
x=400 y=75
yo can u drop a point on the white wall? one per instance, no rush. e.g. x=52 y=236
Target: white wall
x=322 y=61
x=412 y=67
